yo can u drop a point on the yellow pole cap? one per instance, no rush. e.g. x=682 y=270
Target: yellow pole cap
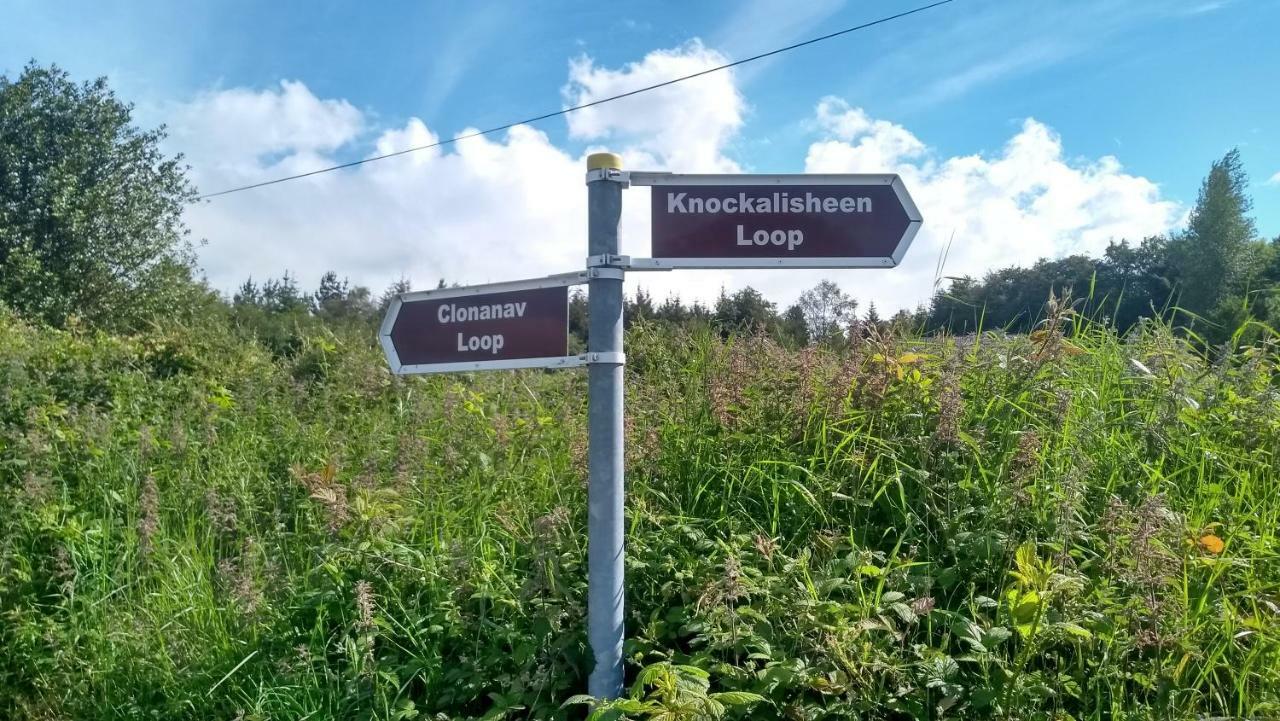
x=599 y=161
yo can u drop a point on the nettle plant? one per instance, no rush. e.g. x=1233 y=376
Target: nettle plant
x=669 y=692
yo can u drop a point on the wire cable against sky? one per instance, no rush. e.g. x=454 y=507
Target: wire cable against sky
x=583 y=106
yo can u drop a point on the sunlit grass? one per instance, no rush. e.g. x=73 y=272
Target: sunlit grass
x=978 y=527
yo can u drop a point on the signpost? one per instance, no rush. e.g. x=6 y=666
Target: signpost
x=699 y=221
x=779 y=221
x=521 y=324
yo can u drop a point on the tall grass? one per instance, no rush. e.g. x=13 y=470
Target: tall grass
x=1070 y=525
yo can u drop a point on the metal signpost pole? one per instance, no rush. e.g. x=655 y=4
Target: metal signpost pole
x=604 y=429
x=699 y=221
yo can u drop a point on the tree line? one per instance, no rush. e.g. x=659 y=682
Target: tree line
x=91 y=232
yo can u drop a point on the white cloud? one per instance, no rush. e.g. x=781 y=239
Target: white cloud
x=231 y=130
x=485 y=209
x=687 y=125
x=1275 y=179
x=500 y=208
x=1026 y=202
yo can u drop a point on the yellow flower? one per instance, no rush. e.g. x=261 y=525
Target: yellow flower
x=1210 y=543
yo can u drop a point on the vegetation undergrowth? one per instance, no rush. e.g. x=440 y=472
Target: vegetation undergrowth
x=1066 y=525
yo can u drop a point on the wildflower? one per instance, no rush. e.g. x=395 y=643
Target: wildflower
x=502 y=428
x=1149 y=529
x=923 y=605
x=364 y=605
x=765 y=546
x=364 y=622
x=1062 y=406
x=1211 y=543
x=221 y=511
x=950 y=408
x=237 y=579
x=845 y=379
x=322 y=486
x=148 y=514
x=726 y=589
x=547 y=528
x=1025 y=463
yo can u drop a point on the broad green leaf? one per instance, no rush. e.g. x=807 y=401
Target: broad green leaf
x=737 y=698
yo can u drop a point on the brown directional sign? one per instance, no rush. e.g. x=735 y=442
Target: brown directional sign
x=770 y=221
x=506 y=325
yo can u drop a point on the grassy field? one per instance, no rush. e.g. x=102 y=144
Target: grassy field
x=1044 y=527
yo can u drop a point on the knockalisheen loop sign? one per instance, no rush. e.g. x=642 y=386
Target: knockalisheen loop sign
x=780 y=220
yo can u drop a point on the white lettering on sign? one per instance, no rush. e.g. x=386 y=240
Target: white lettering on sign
x=790 y=238
x=450 y=313
x=780 y=202
x=492 y=343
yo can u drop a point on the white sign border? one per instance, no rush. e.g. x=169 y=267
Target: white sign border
x=393 y=311
x=914 y=218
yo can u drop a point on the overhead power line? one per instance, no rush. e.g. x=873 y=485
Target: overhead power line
x=583 y=106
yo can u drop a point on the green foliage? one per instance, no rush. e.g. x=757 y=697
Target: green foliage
x=1211 y=259
x=669 y=692
x=827 y=311
x=745 y=311
x=1217 y=273
x=1067 y=525
x=90 y=209
x=337 y=302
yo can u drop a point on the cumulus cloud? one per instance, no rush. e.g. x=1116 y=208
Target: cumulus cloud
x=513 y=206
x=231 y=131
x=685 y=126
x=482 y=210
x=1023 y=203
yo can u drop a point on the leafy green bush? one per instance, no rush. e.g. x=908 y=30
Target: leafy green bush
x=1067 y=525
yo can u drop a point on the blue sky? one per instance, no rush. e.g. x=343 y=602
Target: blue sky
x=1164 y=86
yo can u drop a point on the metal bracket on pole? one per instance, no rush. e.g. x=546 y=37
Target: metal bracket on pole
x=608 y=260
x=619 y=359
x=617 y=176
x=624 y=262
x=606 y=271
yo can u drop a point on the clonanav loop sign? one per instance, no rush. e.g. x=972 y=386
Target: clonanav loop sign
x=773 y=221
x=521 y=324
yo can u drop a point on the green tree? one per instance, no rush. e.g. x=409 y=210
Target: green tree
x=1210 y=260
x=578 y=318
x=873 y=316
x=792 y=329
x=338 y=301
x=400 y=287
x=638 y=309
x=746 y=311
x=827 y=311
x=90 y=209
x=957 y=308
x=1135 y=280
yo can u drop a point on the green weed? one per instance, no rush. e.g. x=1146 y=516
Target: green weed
x=1067 y=525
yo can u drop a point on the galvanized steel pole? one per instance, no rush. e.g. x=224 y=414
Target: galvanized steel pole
x=604 y=429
